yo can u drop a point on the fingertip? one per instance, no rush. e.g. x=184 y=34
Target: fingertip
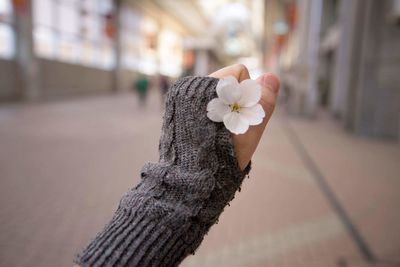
x=239 y=71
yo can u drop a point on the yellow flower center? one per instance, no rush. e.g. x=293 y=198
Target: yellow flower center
x=235 y=107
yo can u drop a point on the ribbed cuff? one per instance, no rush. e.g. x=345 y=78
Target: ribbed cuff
x=133 y=240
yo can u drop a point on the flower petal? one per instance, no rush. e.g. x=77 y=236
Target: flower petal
x=228 y=81
x=254 y=114
x=228 y=90
x=216 y=110
x=250 y=93
x=236 y=123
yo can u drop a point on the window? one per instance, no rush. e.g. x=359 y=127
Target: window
x=44 y=33
x=130 y=38
x=170 y=53
x=74 y=31
x=7 y=44
x=139 y=47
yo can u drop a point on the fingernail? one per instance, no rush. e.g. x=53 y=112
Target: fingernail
x=271 y=81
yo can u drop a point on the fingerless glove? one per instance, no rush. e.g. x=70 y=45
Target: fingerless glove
x=165 y=217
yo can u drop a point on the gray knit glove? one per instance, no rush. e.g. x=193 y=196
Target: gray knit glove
x=165 y=217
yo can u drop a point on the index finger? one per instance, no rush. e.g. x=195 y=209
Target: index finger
x=239 y=71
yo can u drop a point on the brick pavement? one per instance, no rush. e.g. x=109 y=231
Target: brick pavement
x=64 y=166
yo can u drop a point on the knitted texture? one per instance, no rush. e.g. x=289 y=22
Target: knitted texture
x=165 y=217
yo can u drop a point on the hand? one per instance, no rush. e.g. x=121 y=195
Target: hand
x=246 y=144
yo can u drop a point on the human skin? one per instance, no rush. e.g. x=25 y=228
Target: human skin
x=245 y=144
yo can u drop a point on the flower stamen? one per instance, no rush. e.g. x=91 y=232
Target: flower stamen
x=235 y=107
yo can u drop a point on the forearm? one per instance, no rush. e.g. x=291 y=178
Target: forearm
x=165 y=217
x=159 y=225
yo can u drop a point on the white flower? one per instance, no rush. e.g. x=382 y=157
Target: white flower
x=237 y=104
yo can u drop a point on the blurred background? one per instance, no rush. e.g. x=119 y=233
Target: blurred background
x=81 y=91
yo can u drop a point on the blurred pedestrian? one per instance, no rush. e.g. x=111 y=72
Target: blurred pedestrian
x=164 y=84
x=141 y=86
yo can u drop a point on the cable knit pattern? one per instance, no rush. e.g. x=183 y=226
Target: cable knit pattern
x=165 y=217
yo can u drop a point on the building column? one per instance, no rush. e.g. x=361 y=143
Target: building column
x=314 y=28
x=347 y=58
x=366 y=85
x=28 y=87
x=303 y=78
x=117 y=82
x=376 y=109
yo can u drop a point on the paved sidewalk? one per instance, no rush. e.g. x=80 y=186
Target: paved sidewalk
x=64 y=165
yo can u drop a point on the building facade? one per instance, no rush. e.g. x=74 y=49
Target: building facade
x=343 y=56
x=52 y=48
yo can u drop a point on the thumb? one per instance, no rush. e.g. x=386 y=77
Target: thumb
x=270 y=89
x=246 y=144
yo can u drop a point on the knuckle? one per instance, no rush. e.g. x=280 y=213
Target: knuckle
x=240 y=67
